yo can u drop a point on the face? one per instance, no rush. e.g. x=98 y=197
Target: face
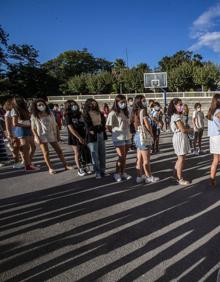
x=144 y=102
x=130 y=102
x=94 y=105
x=179 y=107
x=122 y=104
x=74 y=107
x=41 y=106
x=198 y=108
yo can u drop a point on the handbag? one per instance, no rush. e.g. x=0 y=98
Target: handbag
x=145 y=136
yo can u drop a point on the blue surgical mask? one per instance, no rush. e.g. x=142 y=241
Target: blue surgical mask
x=122 y=106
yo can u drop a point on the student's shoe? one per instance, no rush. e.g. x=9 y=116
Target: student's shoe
x=30 y=168
x=183 y=182
x=126 y=176
x=81 y=172
x=34 y=167
x=88 y=170
x=151 y=179
x=140 y=179
x=117 y=177
x=52 y=171
x=98 y=176
x=18 y=165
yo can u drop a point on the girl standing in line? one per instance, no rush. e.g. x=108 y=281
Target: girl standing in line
x=140 y=119
x=118 y=123
x=76 y=133
x=46 y=132
x=180 y=138
x=96 y=135
x=22 y=123
x=214 y=134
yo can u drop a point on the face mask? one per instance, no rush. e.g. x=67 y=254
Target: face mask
x=122 y=106
x=41 y=108
x=131 y=104
x=74 y=108
x=144 y=104
x=199 y=109
x=180 y=109
x=157 y=108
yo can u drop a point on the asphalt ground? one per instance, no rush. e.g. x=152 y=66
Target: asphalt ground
x=70 y=228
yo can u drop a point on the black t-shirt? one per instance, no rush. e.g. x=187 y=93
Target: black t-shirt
x=77 y=123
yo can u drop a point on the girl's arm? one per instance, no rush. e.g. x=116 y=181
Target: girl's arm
x=8 y=123
x=182 y=128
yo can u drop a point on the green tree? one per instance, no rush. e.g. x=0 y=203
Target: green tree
x=206 y=76
x=77 y=85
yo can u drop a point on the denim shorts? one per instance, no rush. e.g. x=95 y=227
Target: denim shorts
x=138 y=144
x=121 y=143
x=21 y=132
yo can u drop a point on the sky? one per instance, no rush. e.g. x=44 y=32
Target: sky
x=148 y=30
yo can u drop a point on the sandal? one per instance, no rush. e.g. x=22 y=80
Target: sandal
x=183 y=182
x=68 y=167
x=52 y=171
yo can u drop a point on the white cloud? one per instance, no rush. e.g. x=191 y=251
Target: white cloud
x=209 y=39
x=203 y=30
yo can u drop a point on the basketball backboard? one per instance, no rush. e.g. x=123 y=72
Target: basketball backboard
x=155 y=80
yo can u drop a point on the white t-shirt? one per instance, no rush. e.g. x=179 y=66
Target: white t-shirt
x=120 y=126
x=23 y=122
x=199 y=119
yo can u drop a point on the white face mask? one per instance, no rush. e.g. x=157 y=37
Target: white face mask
x=199 y=109
x=74 y=108
x=122 y=106
x=157 y=108
x=41 y=108
x=131 y=104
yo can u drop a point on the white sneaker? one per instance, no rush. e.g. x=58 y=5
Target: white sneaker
x=152 y=179
x=18 y=165
x=196 y=153
x=81 y=172
x=140 y=179
x=126 y=176
x=117 y=177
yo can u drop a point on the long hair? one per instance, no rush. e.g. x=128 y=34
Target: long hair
x=67 y=108
x=21 y=108
x=88 y=107
x=34 y=110
x=215 y=104
x=171 y=109
x=115 y=106
x=8 y=104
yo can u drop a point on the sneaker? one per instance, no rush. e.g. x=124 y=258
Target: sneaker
x=18 y=165
x=98 y=176
x=140 y=179
x=81 y=172
x=35 y=167
x=126 y=176
x=183 y=182
x=151 y=179
x=195 y=153
x=88 y=170
x=117 y=177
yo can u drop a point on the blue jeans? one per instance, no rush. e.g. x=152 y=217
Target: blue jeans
x=97 y=150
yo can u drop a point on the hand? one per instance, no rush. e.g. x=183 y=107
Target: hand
x=82 y=141
x=92 y=132
x=37 y=139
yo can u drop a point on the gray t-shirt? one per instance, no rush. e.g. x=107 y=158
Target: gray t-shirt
x=120 y=126
x=199 y=119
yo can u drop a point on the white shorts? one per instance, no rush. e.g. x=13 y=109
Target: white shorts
x=215 y=145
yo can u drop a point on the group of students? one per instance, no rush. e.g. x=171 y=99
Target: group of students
x=136 y=122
